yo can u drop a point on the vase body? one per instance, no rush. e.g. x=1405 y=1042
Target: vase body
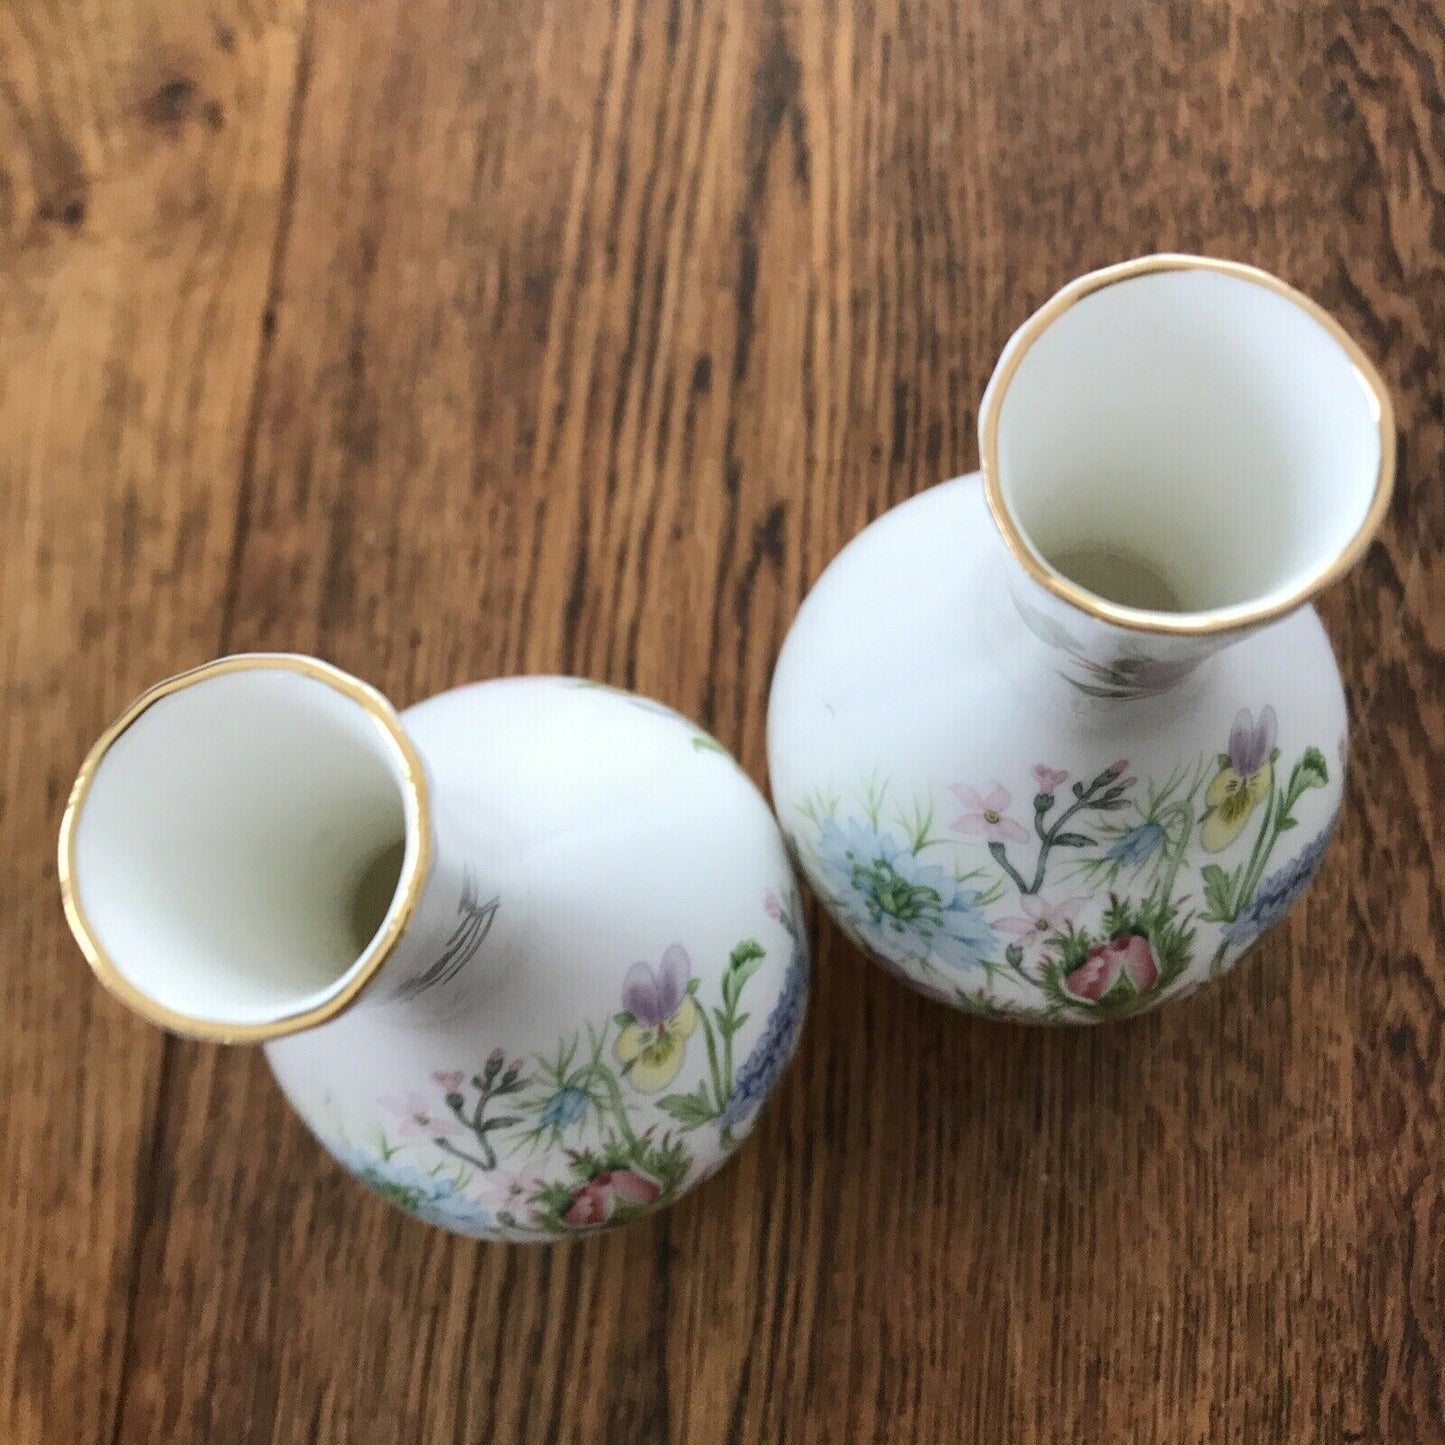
x=1060 y=741
x=1009 y=842
x=598 y=976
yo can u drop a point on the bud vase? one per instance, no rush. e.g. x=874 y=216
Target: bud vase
x=526 y=958
x=1061 y=741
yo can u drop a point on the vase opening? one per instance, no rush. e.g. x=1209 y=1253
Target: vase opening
x=1183 y=445
x=243 y=848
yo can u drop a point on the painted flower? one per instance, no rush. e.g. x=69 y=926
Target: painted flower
x=449 y=1079
x=437 y=1200
x=1040 y=919
x=662 y=1016
x=590 y=1206
x=460 y=1212
x=417 y=1119
x=1130 y=956
x=566 y=1107
x=1138 y=845
x=1050 y=780
x=772 y=904
x=984 y=815
x=760 y=1070
x=594 y=1202
x=1243 y=781
x=896 y=904
x=502 y=1189
x=1278 y=894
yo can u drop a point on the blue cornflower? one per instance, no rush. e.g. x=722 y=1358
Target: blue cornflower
x=1277 y=894
x=1138 y=845
x=567 y=1106
x=894 y=903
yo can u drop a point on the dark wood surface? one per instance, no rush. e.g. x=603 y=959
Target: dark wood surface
x=450 y=338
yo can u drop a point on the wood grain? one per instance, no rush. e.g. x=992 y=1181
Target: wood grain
x=450 y=338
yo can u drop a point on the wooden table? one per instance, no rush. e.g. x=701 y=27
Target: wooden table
x=450 y=338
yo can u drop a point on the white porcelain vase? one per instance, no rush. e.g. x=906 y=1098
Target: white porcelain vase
x=1062 y=741
x=526 y=958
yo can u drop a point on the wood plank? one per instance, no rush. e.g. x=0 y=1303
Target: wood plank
x=141 y=163
x=597 y=330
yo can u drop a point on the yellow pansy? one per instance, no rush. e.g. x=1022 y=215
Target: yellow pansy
x=660 y=1018
x=1246 y=773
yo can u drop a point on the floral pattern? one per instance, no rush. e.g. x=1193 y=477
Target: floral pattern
x=660 y=1017
x=594 y=1105
x=1246 y=771
x=1097 y=909
x=889 y=898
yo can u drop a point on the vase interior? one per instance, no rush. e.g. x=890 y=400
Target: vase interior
x=1188 y=440
x=239 y=845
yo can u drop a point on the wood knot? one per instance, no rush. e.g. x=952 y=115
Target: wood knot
x=170 y=106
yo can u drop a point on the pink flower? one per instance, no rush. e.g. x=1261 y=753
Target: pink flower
x=451 y=1080
x=418 y=1120
x=595 y=1201
x=505 y=1190
x=1040 y=919
x=985 y=815
x=631 y=1187
x=1050 y=780
x=590 y=1206
x=1131 y=955
x=772 y=904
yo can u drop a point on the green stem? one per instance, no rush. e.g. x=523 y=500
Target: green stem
x=1081 y=802
x=608 y=1080
x=1000 y=856
x=1176 y=855
x=487 y=1161
x=707 y=1033
x=1269 y=832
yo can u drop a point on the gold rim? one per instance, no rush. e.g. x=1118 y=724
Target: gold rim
x=1189 y=624
x=409 y=886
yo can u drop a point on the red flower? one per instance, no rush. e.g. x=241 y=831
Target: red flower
x=591 y=1205
x=594 y=1202
x=1130 y=954
x=631 y=1187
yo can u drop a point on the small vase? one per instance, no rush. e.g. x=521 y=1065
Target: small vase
x=527 y=958
x=1061 y=741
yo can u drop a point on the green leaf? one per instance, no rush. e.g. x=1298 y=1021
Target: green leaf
x=705 y=744
x=1285 y=824
x=1312 y=770
x=1224 y=761
x=1071 y=840
x=622 y=1020
x=691 y=1111
x=748 y=950
x=1218 y=886
x=743 y=963
x=693 y=984
x=1013 y=955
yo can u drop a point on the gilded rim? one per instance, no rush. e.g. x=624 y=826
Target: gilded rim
x=1187 y=624
x=413 y=878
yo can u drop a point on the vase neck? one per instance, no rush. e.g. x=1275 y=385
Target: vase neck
x=1094 y=657
x=256 y=846
x=466 y=929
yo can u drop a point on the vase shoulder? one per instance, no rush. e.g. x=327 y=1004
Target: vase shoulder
x=652 y=989
x=1008 y=841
